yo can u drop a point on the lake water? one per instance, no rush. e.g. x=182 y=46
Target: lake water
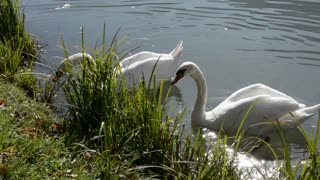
x=234 y=42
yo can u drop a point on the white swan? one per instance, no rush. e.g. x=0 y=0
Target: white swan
x=140 y=65
x=134 y=67
x=271 y=105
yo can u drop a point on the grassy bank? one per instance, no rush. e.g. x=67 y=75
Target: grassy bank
x=105 y=134
x=32 y=141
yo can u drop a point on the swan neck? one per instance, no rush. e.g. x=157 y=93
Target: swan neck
x=201 y=101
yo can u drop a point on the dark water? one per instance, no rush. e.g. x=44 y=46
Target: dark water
x=235 y=42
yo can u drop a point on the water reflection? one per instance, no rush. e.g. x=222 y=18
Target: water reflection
x=255 y=159
x=257 y=148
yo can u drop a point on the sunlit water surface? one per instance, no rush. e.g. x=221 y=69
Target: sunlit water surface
x=235 y=42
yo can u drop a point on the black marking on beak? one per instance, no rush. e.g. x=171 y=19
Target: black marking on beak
x=179 y=75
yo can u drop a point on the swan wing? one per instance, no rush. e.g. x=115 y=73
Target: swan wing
x=163 y=58
x=133 y=74
x=255 y=90
x=139 y=65
x=266 y=109
x=265 y=106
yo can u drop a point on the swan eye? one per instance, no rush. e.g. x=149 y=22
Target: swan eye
x=58 y=75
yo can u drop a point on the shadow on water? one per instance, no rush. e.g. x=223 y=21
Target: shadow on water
x=174 y=90
x=168 y=91
x=295 y=142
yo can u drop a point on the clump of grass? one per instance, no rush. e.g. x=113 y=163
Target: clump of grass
x=17 y=47
x=134 y=138
x=47 y=90
x=12 y=29
x=309 y=168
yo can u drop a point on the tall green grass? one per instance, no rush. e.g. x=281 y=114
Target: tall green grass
x=12 y=28
x=17 y=47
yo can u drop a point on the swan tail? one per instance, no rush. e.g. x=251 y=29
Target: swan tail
x=176 y=52
x=305 y=113
x=289 y=120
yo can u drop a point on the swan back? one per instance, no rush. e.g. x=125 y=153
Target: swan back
x=143 y=55
x=139 y=65
x=264 y=95
x=256 y=89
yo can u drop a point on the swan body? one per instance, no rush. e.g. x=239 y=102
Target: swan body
x=137 y=66
x=269 y=106
x=134 y=67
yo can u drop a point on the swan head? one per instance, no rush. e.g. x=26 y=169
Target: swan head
x=57 y=75
x=72 y=60
x=185 y=69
